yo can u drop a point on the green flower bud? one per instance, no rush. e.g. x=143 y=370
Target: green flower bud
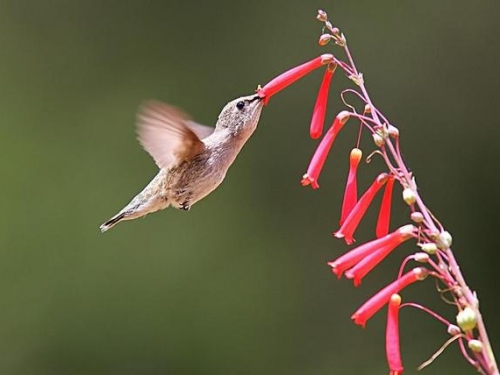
x=443 y=240
x=417 y=217
x=475 y=345
x=429 y=248
x=466 y=319
x=409 y=196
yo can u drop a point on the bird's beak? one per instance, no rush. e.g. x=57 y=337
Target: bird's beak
x=256 y=97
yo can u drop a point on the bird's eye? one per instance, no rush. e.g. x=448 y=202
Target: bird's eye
x=240 y=105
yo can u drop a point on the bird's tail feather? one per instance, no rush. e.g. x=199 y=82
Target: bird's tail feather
x=112 y=222
x=135 y=210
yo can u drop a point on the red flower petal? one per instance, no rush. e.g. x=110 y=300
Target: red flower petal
x=350 y=224
x=361 y=252
x=384 y=216
x=389 y=243
x=392 y=348
x=351 y=188
x=290 y=76
x=319 y=157
x=374 y=304
x=319 y=111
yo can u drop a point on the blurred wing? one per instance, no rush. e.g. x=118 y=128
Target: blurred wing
x=164 y=133
x=201 y=131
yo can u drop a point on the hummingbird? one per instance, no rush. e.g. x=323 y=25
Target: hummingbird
x=193 y=158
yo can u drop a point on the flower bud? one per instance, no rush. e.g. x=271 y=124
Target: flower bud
x=324 y=39
x=393 y=131
x=475 y=345
x=466 y=319
x=409 y=196
x=454 y=330
x=368 y=109
x=355 y=155
x=336 y=31
x=421 y=257
x=378 y=139
x=417 y=217
x=443 y=240
x=356 y=78
x=429 y=248
x=322 y=16
x=342 y=41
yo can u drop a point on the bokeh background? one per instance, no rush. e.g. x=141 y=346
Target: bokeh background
x=238 y=285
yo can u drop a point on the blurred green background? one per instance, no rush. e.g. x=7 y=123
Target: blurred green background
x=239 y=285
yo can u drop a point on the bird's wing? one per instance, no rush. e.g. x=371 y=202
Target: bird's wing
x=202 y=131
x=164 y=133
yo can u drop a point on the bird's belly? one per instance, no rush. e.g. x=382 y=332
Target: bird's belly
x=186 y=194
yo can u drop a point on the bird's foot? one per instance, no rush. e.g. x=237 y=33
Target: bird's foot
x=185 y=206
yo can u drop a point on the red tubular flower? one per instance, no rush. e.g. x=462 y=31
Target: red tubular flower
x=351 y=222
x=392 y=348
x=382 y=249
x=318 y=117
x=384 y=216
x=319 y=157
x=351 y=188
x=361 y=252
x=290 y=76
x=374 y=304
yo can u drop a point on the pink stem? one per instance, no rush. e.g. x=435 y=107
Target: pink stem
x=428 y=311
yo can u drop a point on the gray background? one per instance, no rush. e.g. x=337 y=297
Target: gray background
x=239 y=285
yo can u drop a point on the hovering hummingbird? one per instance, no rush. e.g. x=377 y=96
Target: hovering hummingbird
x=193 y=158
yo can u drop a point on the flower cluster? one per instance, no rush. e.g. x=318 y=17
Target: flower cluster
x=433 y=241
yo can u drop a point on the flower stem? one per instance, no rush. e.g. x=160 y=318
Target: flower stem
x=486 y=359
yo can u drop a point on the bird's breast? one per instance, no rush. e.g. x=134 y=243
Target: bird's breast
x=194 y=179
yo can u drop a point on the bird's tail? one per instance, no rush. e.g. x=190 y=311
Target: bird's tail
x=112 y=222
x=147 y=201
x=139 y=207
